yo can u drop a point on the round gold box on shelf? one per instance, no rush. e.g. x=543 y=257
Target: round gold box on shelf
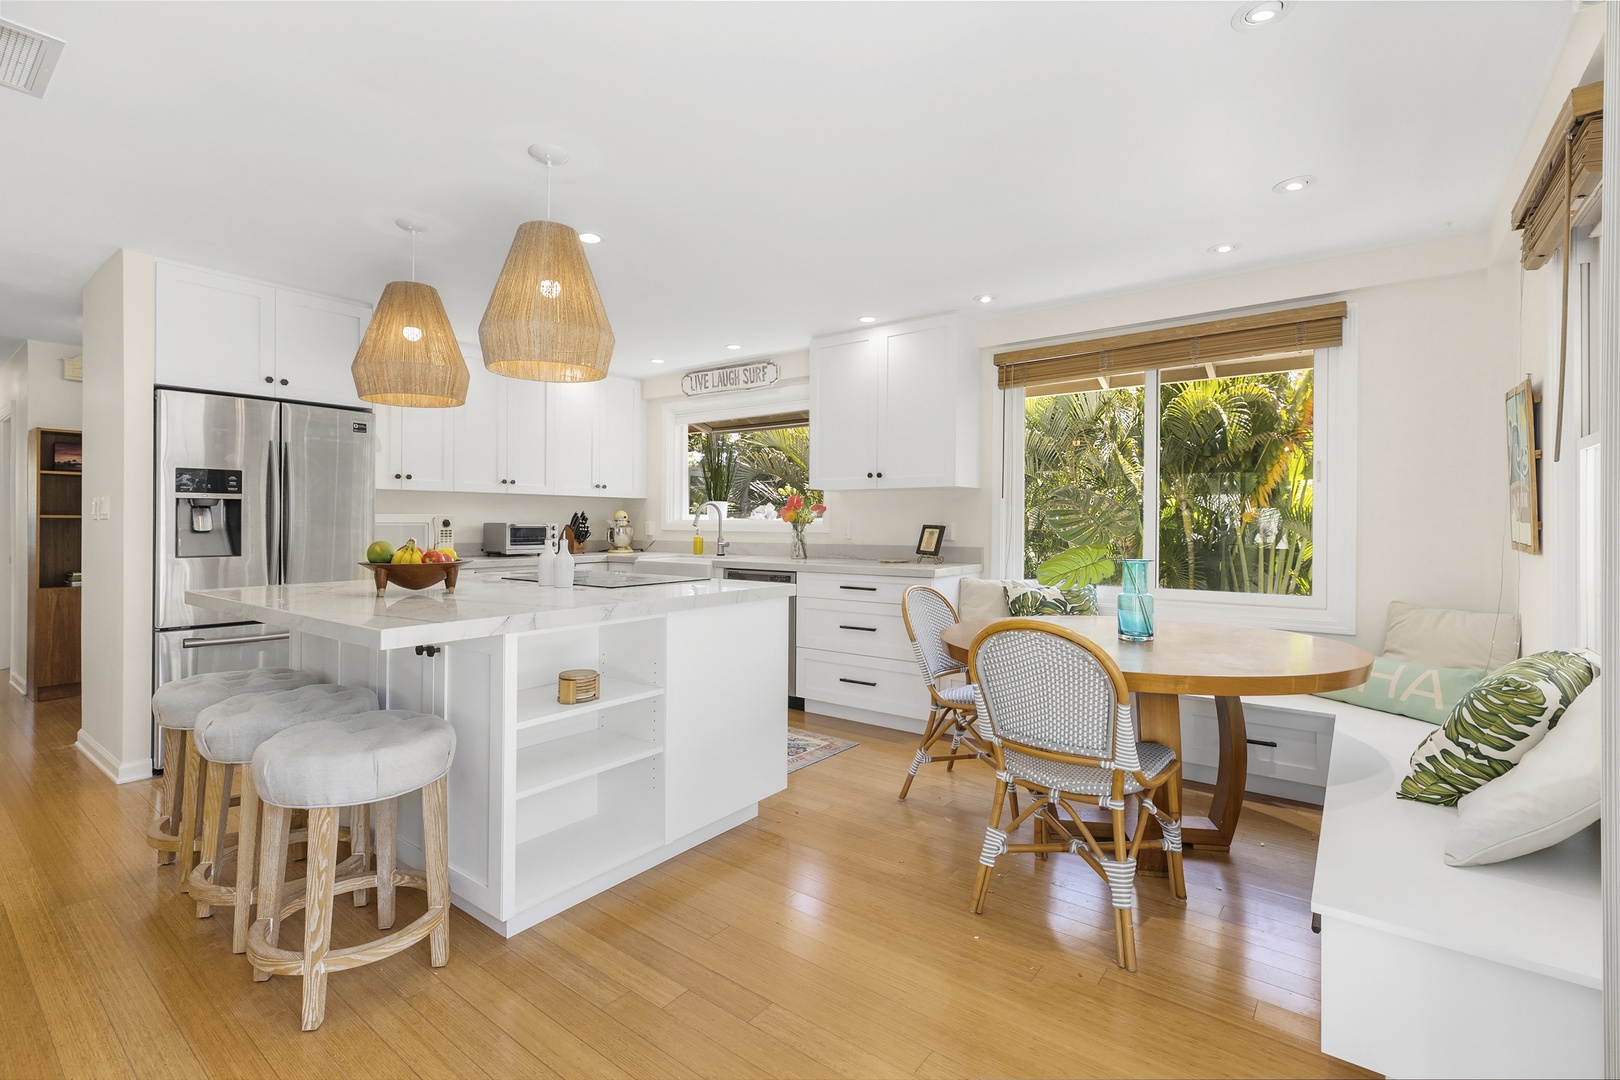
x=577 y=686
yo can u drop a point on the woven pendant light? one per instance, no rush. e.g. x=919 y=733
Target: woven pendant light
x=409 y=355
x=545 y=319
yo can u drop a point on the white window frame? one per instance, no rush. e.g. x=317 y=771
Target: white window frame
x=1331 y=607
x=680 y=414
x=1570 y=488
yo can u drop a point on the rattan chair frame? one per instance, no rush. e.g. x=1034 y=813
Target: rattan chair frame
x=945 y=718
x=1055 y=833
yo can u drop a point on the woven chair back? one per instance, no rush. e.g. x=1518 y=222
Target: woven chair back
x=1050 y=690
x=928 y=615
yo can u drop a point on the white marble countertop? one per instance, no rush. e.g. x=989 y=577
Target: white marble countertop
x=352 y=612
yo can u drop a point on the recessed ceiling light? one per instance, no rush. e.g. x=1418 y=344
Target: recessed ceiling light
x=984 y=298
x=1293 y=183
x=1223 y=249
x=589 y=238
x=733 y=346
x=657 y=360
x=867 y=318
x=1254 y=15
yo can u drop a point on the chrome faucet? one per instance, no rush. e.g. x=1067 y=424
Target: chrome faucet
x=720 y=541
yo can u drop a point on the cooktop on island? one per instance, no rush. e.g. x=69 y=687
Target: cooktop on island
x=591 y=578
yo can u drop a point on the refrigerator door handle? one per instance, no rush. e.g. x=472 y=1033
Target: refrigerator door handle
x=272 y=519
x=210 y=643
x=286 y=512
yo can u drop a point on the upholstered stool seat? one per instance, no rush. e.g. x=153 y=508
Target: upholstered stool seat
x=175 y=707
x=370 y=757
x=226 y=735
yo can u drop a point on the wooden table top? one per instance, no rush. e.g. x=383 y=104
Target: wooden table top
x=1209 y=658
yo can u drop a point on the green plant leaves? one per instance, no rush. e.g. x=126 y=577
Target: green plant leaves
x=1077 y=567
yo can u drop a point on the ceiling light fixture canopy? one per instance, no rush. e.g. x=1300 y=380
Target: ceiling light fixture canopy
x=409 y=355
x=545 y=321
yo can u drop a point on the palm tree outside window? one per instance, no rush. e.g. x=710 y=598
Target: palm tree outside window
x=754 y=464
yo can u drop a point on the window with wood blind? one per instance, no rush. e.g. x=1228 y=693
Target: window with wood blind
x=1207 y=448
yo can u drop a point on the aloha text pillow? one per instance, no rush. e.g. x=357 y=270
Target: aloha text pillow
x=1421 y=691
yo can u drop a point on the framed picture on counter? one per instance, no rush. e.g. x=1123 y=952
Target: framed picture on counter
x=931 y=541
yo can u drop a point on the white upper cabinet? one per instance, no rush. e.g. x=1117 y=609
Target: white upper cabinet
x=415 y=448
x=237 y=336
x=214 y=332
x=523 y=435
x=895 y=407
x=596 y=438
x=479 y=440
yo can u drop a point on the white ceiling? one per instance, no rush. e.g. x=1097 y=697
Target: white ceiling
x=763 y=172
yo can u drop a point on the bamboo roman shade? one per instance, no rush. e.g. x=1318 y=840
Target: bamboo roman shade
x=1576 y=139
x=1056 y=368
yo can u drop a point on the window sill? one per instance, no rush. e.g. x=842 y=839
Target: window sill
x=1281 y=613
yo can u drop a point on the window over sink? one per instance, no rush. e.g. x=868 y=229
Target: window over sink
x=748 y=450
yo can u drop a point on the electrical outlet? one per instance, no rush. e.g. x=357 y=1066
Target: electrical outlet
x=849 y=531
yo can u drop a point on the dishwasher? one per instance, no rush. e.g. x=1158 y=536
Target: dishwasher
x=781 y=577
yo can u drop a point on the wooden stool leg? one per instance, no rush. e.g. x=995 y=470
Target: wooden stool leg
x=387 y=817
x=173 y=769
x=360 y=844
x=191 y=795
x=436 y=845
x=247 y=851
x=217 y=790
x=320 y=865
x=272 y=875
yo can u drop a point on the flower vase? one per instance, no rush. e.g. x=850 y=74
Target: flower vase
x=1135 y=602
x=798 y=551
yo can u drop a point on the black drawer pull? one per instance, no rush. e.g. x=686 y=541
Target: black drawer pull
x=859 y=588
x=868 y=629
x=1261 y=742
x=857 y=682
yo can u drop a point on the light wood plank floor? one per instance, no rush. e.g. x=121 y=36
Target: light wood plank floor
x=829 y=937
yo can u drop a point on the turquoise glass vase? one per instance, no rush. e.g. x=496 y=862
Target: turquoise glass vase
x=1135 y=602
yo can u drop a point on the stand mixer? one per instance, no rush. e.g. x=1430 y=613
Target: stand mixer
x=620 y=534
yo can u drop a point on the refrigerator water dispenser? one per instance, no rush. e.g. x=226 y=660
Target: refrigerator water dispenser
x=207 y=513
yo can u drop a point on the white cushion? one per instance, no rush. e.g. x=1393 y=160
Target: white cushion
x=1455 y=639
x=177 y=704
x=230 y=731
x=983 y=599
x=1554 y=793
x=353 y=760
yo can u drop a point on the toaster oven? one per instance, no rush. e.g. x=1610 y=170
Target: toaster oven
x=507 y=538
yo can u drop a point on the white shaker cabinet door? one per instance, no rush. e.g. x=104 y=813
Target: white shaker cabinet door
x=477 y=428
x=426 y=449
x=316 y=339
x=915 y=428
x=844 y=382
x=214 y=332
x=571 y=438
x=524 y=435
x=617 y=417
x=385 y=439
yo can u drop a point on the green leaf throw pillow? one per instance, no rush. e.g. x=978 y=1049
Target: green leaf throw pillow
x=1407 y=688
x=1024 y=601
x=1495 y=725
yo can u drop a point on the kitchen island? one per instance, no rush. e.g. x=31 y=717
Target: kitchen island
x=549 y=803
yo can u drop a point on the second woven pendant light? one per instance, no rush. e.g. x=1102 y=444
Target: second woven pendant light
x=545 y=320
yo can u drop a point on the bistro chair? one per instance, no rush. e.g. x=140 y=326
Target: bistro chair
x=1055 y=714
x=951 y=707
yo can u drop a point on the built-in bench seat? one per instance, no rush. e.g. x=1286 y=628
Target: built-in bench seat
x=1435 y=970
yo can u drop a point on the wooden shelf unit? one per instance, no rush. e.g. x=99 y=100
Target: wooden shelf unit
x=54 y=535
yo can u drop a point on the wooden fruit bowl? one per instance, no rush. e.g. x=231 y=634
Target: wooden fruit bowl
x=414 y=575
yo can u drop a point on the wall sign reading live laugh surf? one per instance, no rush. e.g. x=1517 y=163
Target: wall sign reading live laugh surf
x=750 y=376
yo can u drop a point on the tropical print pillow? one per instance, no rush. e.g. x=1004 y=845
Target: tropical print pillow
x=1024 y=601
x=1495 y=725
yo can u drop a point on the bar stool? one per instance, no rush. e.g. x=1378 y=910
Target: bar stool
x=226 y=735
x=175 y=707
x=367 y=759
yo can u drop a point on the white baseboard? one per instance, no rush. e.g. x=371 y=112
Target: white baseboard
x=866 y=716
x=18 y=683
x=119 y=772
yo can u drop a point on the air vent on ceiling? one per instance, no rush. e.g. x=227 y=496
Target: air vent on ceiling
x=27 y=58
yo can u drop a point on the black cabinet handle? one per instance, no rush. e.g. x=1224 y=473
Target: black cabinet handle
x=869 y=476
x=283 y=382
x=868 y=629
x=859 y=588
x=396 y=476
x=407 y=476
x=427 y=650
x=857 y=682
x=880 y=476
x=1261 y=742
x=269 y=378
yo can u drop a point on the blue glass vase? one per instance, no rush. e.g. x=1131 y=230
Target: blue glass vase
x=1135 y=602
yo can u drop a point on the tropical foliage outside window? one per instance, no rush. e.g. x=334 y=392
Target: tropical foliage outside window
x=755 y=470
x=1234 y=488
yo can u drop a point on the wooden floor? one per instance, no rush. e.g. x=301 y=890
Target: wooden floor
x=829 y=937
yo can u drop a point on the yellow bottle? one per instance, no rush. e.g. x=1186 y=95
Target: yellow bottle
x=697 y=543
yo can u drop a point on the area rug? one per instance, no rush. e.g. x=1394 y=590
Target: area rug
x=807 y=748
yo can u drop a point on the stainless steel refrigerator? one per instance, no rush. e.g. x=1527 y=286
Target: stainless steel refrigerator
x=250 y=492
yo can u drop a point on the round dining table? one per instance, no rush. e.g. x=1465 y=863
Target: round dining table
x=1226 y=662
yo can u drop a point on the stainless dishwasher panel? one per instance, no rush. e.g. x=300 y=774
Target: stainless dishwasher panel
x=179 y=654
x=780 y=577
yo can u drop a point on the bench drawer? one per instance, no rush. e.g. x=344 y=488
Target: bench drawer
x=862 y=682
x=863 y=629
x=1283 y=744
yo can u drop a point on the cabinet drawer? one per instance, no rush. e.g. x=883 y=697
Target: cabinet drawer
x=848 y=627
x=1283 y=744
x=863 y=682
x=862 y=588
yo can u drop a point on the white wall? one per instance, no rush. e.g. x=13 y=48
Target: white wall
x=119 y=346
x=468 y=511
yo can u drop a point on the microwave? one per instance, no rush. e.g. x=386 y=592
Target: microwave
x=429 y=531
x=506 y=538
